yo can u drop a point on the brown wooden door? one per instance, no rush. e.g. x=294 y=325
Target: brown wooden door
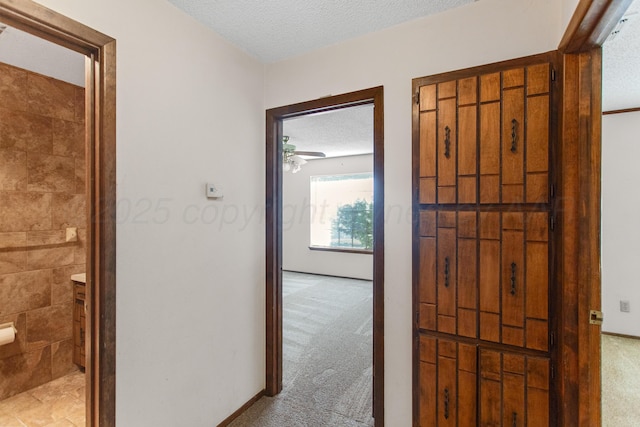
x=482 y=289
x=448 y=383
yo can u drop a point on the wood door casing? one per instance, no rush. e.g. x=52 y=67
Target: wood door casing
x=483 y=242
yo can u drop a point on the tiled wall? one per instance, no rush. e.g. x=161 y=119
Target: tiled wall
x=42 y=191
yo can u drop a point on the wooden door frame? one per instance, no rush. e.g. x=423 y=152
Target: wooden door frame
x=579 y=209
x=274 y=118
x=100 y=119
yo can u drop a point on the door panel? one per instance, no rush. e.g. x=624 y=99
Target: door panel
x=446 y=147
x=513 y=146
x=514 y=389
x=490 y=152
x=483 y=156
x=467 y=274
x=448 y=377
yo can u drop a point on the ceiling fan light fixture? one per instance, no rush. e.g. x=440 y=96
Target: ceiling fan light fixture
x=291 y=160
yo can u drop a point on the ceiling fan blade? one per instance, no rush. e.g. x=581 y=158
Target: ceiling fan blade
x=310 y=153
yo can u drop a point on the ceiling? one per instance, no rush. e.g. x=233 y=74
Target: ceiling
x=336 y=133
x=274 y=30
x=621 y=65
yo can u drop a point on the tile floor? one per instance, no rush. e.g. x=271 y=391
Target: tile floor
x=59 y=403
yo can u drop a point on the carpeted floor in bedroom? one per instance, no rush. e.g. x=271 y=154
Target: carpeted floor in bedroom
x=327 y=340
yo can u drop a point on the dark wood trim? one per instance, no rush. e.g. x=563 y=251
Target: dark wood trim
x=343 y=250
x=103 y=240
x=100 y=115
x=242 y=409
x=274 y=118
x=482 y=69
x=591 y=24
x=579 y=239
x=613 y=334
x=578 y=209
x=626 y=110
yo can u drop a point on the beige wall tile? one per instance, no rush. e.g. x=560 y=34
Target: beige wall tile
x=13 y=170
x=25 y=211
x=25 y=371
x=24 y=131
x=80 y=177
x=50 y=97
x=25 y=291
x=13 y=240
x=80 y=250
x=13 y=87
x=47 y=237
x=69 y=211
x=41 y=152
x=38 y=259
x=62 y=358
x=63 y=274
x=49 y=324
x=62 y=287
x=12 y=261
x=51 y=173
x=80 y=103
x=68 y=139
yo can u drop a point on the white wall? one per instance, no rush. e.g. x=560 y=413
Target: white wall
x=190 y=284
x=296 y=220
x=479 y=33
x=568 y=8
x=620 y=222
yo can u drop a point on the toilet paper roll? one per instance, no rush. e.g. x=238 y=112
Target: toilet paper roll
x=7 y=334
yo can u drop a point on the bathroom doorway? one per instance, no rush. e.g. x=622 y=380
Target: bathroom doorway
x=43 y=231
x=86 y=191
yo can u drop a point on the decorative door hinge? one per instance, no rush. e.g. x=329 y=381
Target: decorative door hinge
x=552 y=339
x=553 y=191
x=595 y=317
x=553 y=372
x=552 y=223
x=553 y=75
x=417 y=96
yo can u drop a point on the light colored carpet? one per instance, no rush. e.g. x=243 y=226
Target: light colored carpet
x=620 y=381
x=327 y=340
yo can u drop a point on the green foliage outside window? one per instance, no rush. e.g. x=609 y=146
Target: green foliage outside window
x=353 y=226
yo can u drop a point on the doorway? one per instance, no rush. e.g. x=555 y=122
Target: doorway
x=620 y=339
x=42 y=230
x=99 y=113
x=274 y=240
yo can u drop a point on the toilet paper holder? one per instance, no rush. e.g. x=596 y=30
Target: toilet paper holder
x=9 y=325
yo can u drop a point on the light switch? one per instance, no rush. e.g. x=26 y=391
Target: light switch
x=214 y=191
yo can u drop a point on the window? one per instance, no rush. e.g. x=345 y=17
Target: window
x=342 y=216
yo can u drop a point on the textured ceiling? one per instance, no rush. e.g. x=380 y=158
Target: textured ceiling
x=621 y=65
x=344 y=132
x=32 y=53
x=272 y=30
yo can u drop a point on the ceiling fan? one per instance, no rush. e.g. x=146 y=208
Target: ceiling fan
x=291 y=160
